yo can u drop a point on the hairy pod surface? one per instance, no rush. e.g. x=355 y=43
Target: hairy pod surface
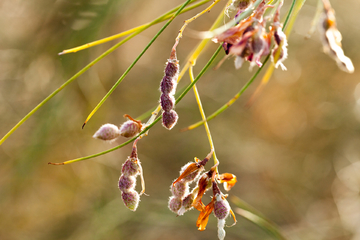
x=130 y=167
x=174 y=204
x=169 y=119
x=129 y=129
x=127 y=183
x=131 y=199
x=107 y=132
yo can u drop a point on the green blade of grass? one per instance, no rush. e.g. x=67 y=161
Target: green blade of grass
x=251 y=214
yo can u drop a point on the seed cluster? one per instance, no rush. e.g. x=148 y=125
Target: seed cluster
x=168 y=88
x=181 y=200
x=127 y=181
x=110 y=132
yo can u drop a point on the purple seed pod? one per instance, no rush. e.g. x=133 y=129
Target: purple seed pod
x=167 y=102
x=131 y=199
x=130 y=167
x=174 y=204
x=130 y=128
x=107 y=132
x=221 y=207
x=168 y=85
x=179 y=189
x=186 y=204
x=169 y=119
x=126 y=183
x=172 y=68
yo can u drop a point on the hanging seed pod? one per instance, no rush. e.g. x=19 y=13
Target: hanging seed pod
x=167 y=102
x=168 y=88
x=221 y=210
x=169 y=119
x=130 y=167
x=126 y=183
x=186 y=203
x=130 y=128
x=221 y=207
x=107 y=132
x=131 y=199
x=168 y=85
x=174 y=204
x=179 y=189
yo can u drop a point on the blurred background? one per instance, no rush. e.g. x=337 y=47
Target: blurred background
x=295 y=150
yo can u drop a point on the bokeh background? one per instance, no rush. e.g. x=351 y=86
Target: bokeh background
x=295 y=149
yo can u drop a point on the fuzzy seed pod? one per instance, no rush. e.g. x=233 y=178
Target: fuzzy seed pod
x=167 y=85
x=172 y=68
x=167 y=102
x=107 y=132
x=174 y=204
x=126 y=183
x=221 y=207
x=168 y=88
x=179 y=189
x=130 y=167
x=131 y=199
x=186 y=204
x=169 y=119
x=130 y=128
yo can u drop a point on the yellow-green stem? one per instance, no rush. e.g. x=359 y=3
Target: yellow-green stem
x=202 y=113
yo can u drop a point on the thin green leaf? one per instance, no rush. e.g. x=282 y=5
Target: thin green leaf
x=251 y=214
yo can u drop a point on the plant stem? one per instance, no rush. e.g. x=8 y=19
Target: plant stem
x=203 y=116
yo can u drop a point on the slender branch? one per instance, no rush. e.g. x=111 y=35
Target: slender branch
x=203 y=116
